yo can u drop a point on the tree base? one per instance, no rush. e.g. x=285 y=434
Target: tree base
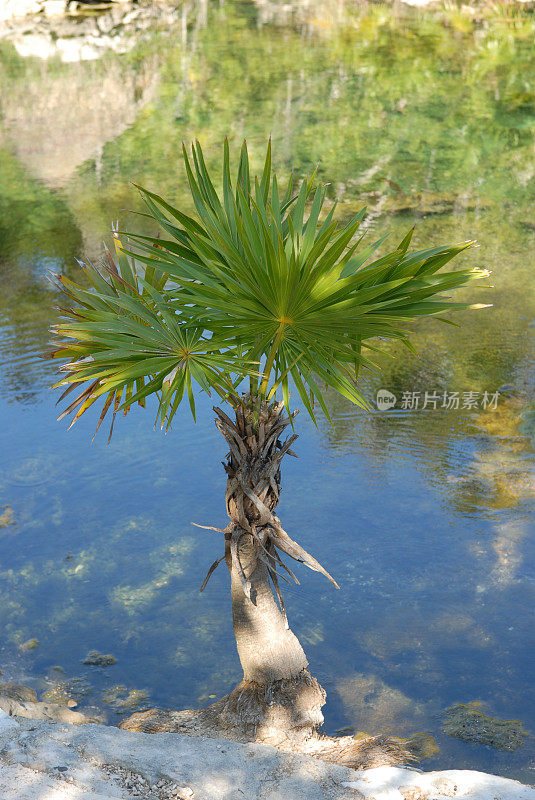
x=284 y=714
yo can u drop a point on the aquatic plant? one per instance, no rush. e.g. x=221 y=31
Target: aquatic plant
x=263 y=288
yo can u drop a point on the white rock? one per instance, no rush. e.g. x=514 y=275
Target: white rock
x=76 y=49
x=7 y=723
x=418 y=3
x=395 y=783
x=41 y=760
x=27 y=784
x=34 y=44
x=11 y=9
x=54 y=8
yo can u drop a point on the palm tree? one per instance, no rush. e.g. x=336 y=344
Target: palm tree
x=249 y=291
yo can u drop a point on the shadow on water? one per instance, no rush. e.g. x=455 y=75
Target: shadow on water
x=424 y=516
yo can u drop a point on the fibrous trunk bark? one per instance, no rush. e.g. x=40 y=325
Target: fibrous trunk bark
x=278 y=698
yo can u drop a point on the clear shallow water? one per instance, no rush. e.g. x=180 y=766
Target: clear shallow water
x=424 y=517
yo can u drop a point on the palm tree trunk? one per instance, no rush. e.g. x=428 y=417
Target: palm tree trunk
x=267 y=648
x=277 y=697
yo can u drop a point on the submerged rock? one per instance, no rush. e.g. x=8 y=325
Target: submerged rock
x=7 y=517
x=31 y=644
x=465 y=721
x=15 y=691
x=423 y=745
x=96 y=659
x=425 y=203
x=124 y=700
x=21 y=701
x=67 y=692
x=377 y=706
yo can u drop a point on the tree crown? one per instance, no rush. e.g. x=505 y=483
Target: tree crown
x=262 y=285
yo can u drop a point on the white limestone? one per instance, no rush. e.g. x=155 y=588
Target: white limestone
x=42 y=760
x=394 y=783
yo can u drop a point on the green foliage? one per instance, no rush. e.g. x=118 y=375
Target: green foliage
x=253 y=288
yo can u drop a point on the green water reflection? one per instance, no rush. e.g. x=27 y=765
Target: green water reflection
x=425 y=517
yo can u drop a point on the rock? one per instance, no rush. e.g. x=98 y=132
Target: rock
x=31 y=644
x=36 y=45
x=423 y=745
x=419 y=3
x=124 y=700
x=157 y=720
x=11 y=9
x=14 y=691
x=53 y=712
x=119 y=764
x=359 y=751
x=349 y=730
x=394 y=783
x=95 y=762
x=97 y=659
x=465 y=721
x=7 y=724
x=73 y=34
x=21 y=701
x=65 y=691
x=54 y=8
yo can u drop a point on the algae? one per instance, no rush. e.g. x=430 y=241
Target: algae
x=125 y=700
x=465 y=721
x=7 y=517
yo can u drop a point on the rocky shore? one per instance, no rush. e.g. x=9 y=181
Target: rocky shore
x=82 y=31
x=15 y=9
x=47 y=759
x=85 y=30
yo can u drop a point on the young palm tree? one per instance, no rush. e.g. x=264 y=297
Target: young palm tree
x=253 y=289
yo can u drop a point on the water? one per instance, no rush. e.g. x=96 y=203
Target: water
x=425 y=517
